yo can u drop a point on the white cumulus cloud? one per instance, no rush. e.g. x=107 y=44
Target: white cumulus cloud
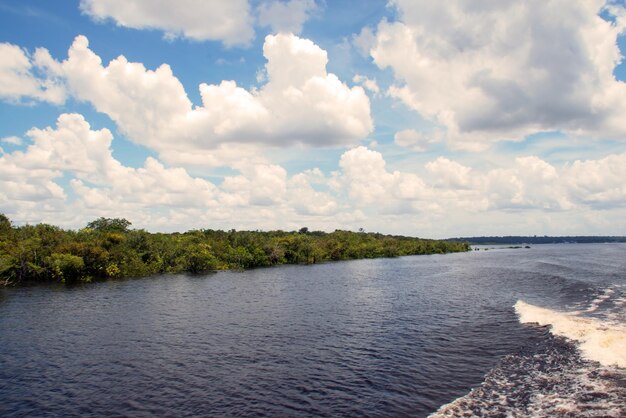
x=488 y=71
x=530 y=183
x=164 y=197
x=369 y=182
x=598 y=182
x=515 y=196
x=417 y=141
x=450 y=174
x=101 y=183
x=300 y=103
x=521 y=185
x=286 y=16
x=25 y=77
x=369 y=83
x=261 y=184
x=228 y=21
x=13 y=140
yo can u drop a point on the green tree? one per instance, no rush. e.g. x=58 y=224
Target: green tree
x=67 y=268
x=240 y=258
x=109 y=225
x=21 y=262
x=5 y=226
x=199 y=258
x=108 y=249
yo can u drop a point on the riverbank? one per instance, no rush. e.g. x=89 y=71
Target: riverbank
x=108 y=249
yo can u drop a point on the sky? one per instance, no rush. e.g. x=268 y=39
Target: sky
x=412 y=117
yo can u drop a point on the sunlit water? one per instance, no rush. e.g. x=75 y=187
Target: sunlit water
x=446 y=334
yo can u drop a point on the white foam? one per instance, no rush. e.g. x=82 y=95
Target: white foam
x=547 y=383
x=578 y=396
x=595 y=304
x=598 y=340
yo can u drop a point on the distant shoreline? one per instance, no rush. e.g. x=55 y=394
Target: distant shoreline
x=519 y=240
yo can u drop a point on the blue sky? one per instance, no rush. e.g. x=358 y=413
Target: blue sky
x=403 y=117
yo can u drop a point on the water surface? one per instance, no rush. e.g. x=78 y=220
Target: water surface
x=385 y=337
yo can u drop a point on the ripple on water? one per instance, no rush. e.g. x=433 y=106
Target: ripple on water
x=391 y=337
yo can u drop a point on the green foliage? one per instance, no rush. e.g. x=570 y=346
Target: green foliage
x=107 y=249
x=109 y=225
x=66 y=268
x=112 y=270
x=5 y=225
x=199 y=258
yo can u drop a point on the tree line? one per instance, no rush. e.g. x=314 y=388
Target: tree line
x=107 y=248
x=516 y=239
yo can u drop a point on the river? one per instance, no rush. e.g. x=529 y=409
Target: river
x=528 y=332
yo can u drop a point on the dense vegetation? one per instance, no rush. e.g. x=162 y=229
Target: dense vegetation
x=108 y=248
x=507 y=240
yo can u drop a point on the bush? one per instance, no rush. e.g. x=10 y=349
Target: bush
x=66 y=268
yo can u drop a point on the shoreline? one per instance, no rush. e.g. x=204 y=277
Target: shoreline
x=108 y=249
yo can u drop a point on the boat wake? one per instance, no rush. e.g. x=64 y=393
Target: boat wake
x=578 y=370
x=603 y=341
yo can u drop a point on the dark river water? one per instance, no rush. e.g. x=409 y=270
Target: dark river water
x=523 y=332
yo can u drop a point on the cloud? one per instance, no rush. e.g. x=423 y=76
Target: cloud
x=154 y=195
x=369 y=84
x=368 y=182
x=364 y=41
x=450 y=174
x=417 y=141
x=286 y=16
x=24 y=77
x=491 y=71
x=261 y=184
x=101 y=183
x=200 y=20
x=267 y=185
x=306 y=200
x=13 y=140
x=300 y=103
x=69 y=169
x=529 y=183
x=521 y=185
x=598 y=182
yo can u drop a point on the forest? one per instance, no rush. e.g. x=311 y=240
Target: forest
x=107 y=248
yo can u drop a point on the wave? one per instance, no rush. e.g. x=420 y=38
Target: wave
x=599 y=300
x=577 y=370
x=554 y=381
x=599 y=340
